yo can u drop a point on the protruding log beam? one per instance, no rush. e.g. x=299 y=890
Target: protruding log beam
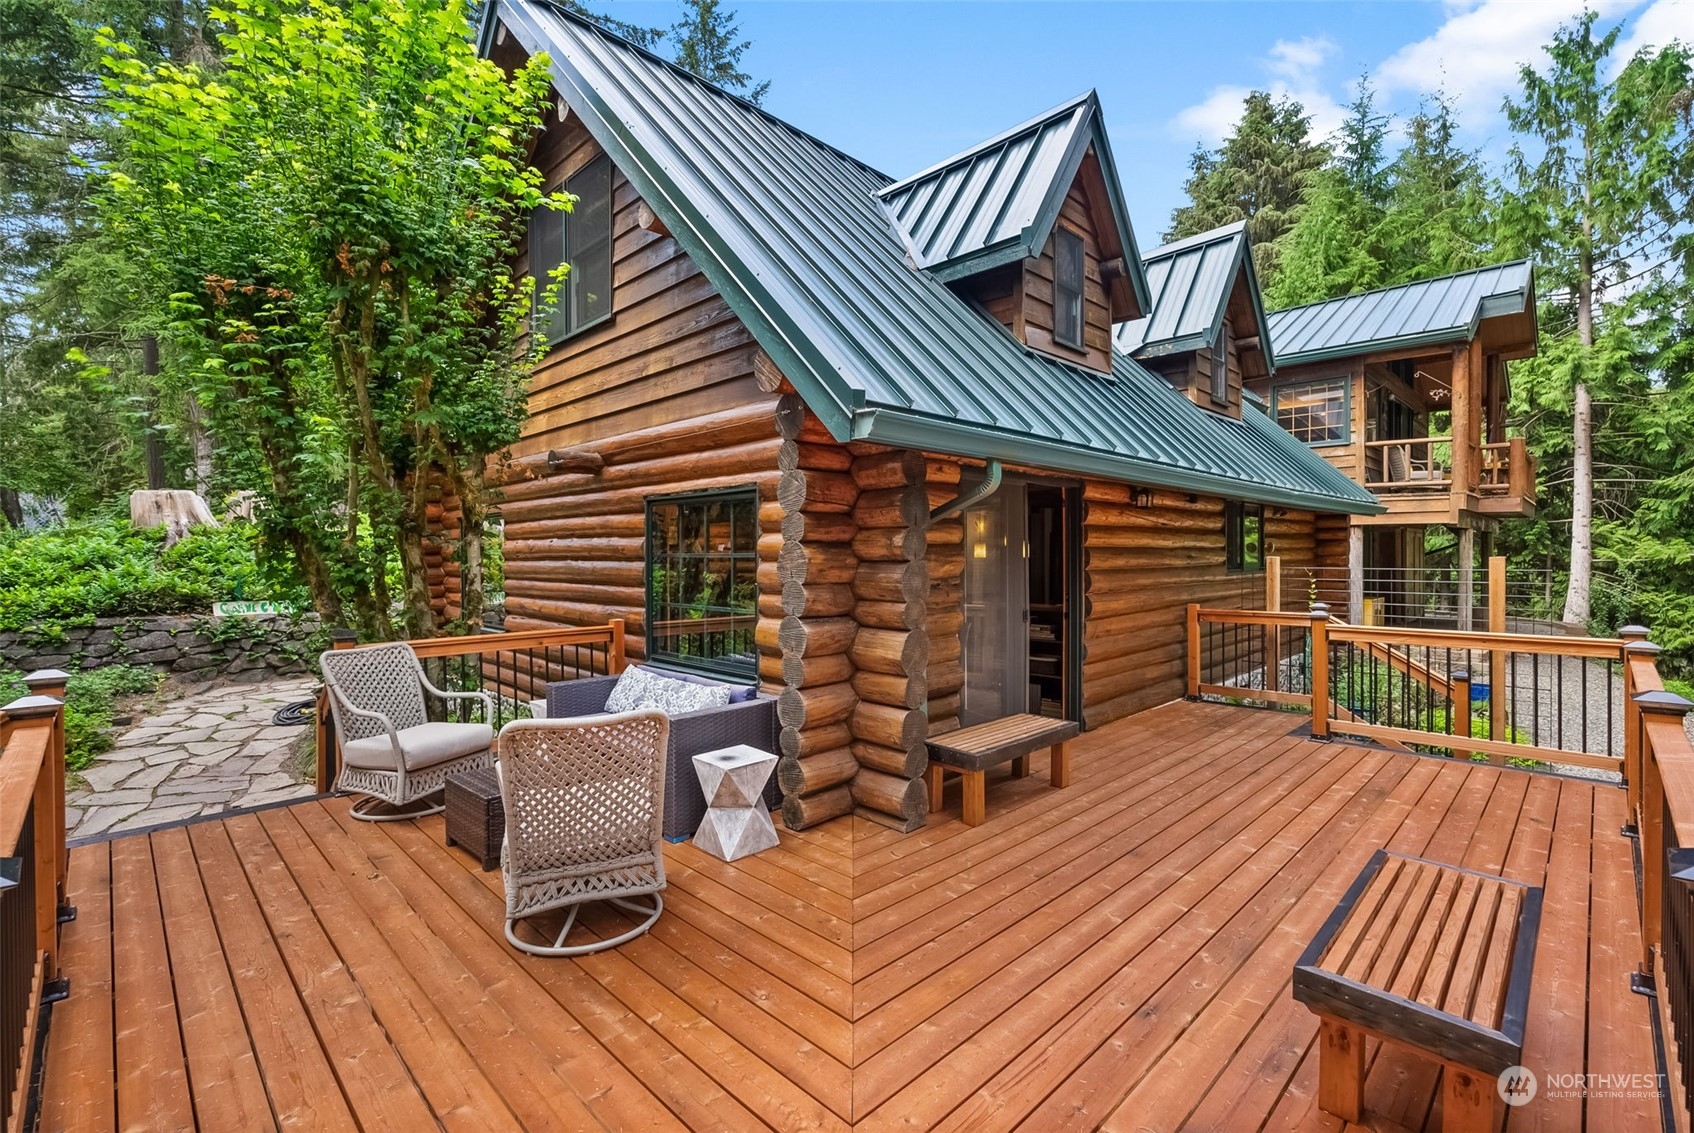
x=896 y=468
x=816 y=562
x=810 y=672
x=799 y=743
x=892 y=690
x=908 y=764
x=817 y=600
x=900 y=728
x=804 y=489
x=891 y=507
x=903 y=799
x=890 y=615
x=816 y=637
x=818 y=527
x=891 y=544
x=891 y=582
x=815 y=707
x=802 y=811
x=810 y=774
x=813 y=457
x=897 y=652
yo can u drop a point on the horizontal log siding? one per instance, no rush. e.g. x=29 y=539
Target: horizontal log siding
x=1142 y=566
x=665 y=392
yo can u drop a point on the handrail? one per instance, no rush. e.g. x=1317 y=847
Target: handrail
x=32 y=881
x=1430 y=471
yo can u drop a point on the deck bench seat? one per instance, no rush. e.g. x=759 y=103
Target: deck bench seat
x=1430 y=957
x=970 y=752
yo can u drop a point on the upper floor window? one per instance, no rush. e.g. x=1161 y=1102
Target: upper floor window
x=1243 y=536
x=702 y=581
x=581 y=238
x=1067 y=288
x=1220 y=366
x=1315 y=412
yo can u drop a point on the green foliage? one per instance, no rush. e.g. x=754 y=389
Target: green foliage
x=102 y=569
x=91 y=700
x=705 y=42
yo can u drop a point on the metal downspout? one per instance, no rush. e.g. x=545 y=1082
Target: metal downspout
x=989 y=485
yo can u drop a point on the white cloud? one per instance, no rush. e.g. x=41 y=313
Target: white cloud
x=1662 y=22
x=1293 y=65
x=1475 y=54
x=1295 y=59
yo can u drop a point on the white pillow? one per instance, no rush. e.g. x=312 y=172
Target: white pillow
x=676 y=697
x=627 y=693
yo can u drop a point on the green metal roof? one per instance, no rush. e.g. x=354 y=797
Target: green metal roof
x=1191 y=281
x=996 y=203
x=793 y=235
x=1425 y=313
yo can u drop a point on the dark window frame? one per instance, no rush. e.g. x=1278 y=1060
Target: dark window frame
x=571 y=245
x=1062 y=291
x=1220 y=366
x=1281 y=392
x=1240 y=553
x=735 y=659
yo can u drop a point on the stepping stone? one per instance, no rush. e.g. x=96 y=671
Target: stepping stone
x=234 y=733
x=101 y=818
x=157 y=817
x=149 y=777
x=164 y=755
x=106 y=776
x=209 y=749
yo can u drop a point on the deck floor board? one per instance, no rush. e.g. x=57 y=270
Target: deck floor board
x=1115 y=955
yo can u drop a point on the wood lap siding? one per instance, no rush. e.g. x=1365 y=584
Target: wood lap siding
x=1077 y=216
x=664 y=391
x=1141 y=568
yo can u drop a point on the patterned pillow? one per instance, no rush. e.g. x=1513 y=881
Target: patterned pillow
x=676 y=697
x=627 y=693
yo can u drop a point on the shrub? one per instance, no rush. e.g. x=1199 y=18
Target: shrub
x=91 y=699
x=104 y=568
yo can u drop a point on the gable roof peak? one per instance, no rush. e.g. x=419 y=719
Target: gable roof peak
x=997 y=202
x=1192 y=280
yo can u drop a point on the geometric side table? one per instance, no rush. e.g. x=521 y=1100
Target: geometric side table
x=737 y=822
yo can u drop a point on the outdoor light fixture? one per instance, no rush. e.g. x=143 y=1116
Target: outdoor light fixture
x=1141 y=497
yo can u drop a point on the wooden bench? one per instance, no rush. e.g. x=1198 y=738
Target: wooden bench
x=1430 y=957
x=970 y=752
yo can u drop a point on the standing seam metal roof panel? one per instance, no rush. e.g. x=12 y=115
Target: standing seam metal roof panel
x=1191 y=281
x=1445 y=309
x=791 y=233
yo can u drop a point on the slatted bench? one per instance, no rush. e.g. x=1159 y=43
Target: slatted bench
x=970 y=752
x=1430 y=957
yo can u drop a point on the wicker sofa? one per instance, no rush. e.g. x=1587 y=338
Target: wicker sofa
x=751 y=722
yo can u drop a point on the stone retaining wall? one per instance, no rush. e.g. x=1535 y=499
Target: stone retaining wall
x=195 y=647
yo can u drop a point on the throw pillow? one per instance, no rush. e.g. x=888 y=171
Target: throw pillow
x=627 y=694
x=676 y=697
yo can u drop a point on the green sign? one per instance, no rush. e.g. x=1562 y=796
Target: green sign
x=250 y=609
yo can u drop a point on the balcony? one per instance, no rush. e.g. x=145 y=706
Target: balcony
x=1414 y=477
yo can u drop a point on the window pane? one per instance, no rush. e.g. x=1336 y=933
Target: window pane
x=546 y=252
x=702 y=563
x=1315 y=413
x=1067 y=288
x=588 y=243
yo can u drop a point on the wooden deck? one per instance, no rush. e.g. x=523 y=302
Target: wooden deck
x=1113 y=955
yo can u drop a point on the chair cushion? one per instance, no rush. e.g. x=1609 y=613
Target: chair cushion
x=639 y=689
x=738 y=694
x=424 y=745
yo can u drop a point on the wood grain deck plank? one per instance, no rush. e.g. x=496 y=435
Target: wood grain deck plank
x=81 y=1071
x=153 y=1088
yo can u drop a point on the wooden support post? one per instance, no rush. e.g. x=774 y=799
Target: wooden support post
x=1657 y=708
x=615 y=659
x=1634 y=637
x=1497 y=594
x=1273 y=633
x=1497 y=659
x=974 y=809
x=1059 y=764
x=1461 y=710
x=1341 y=1070
x=1467 y=579
x=1468 y=1101
x=1193 y=650
x=1320 y=671
x=53 y=682
x=1356 y=574
x=44 y=715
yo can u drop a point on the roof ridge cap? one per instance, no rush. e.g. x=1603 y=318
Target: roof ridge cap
x=1409 y=283
x=1068 y=106
x=1210 y=236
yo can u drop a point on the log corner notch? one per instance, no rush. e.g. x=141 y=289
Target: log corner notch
x=815 y=569
x=890 y=724
x=552 y=462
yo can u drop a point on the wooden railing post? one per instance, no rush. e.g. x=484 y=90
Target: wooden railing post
x=1632 y=636
x=1662 y=705
x=1460 y=713
x=615 y=653
x=48 y=846
x=323 y=725
x=1497 y=658
x=53 y=682
x=1273 y=634
x=1193 y=651
x=1320 y=670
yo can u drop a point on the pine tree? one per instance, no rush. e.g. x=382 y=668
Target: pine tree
x=1599 y=197
x=705 y=42
x=1260 y=174
x=1439 y=216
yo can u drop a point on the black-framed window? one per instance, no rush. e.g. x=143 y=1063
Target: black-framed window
x=581 y=238
x=1243 y=536
x=1067 y=288
x=1315 y=412
x=702 y=581
x=1220 y=365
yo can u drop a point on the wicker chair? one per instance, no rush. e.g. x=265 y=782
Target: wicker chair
x=391 y=752
x=585 y=802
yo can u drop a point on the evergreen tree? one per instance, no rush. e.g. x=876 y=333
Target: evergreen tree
x=1438 y=219
x=1260 y=174
x=1600 y=197
x=705 y=43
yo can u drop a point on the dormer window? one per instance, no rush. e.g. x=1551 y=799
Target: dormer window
x=1220 y=366
x=1067 y=288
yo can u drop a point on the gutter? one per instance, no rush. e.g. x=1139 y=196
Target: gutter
x=989 y=485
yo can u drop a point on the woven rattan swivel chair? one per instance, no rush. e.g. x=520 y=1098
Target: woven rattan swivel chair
x=391 y=751
x=585 y=802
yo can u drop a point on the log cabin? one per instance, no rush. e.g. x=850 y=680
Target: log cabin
x=1405 y=389
x=868 y=441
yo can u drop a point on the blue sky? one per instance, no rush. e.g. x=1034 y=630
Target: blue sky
x=904 y=84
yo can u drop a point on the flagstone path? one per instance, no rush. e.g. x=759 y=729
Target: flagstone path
x=203 y=754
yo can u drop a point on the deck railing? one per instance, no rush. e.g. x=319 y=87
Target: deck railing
x=1508 y=469
x=513 y=668
x=1411 y=464
x=1494 y=696
x=32 y=884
